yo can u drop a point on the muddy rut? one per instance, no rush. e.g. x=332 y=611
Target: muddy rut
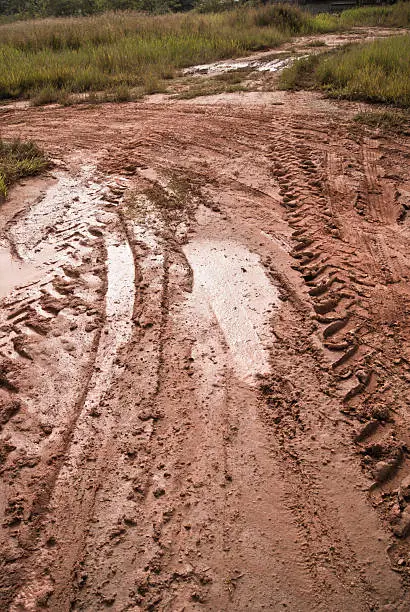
x=204 y=369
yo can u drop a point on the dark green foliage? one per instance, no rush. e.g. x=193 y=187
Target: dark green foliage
x=284 y=17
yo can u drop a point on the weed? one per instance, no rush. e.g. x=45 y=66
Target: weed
x=233 y=76
x=386 y=120
x=300 y=74
x=122 y=94
x=17 y=160
x=378 y=71
x=49 y=95
x=3 y=187
x=210 y=87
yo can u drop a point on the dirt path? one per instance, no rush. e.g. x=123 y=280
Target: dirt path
x=204 y=369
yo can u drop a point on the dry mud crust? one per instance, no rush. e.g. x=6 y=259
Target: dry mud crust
x=233 y=434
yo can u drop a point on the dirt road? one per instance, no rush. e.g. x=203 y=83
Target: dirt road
x=204 y=377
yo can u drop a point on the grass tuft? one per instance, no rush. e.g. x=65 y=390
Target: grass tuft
x=317 y=43
x=300 y=74
x=17 y=160
x=49 y=95
x=386 y=120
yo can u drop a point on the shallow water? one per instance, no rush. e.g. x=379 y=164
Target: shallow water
x=230 y=285
x=119 y=303
x=13 y=273
x=220 y=67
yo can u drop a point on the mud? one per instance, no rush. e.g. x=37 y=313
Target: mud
x=204 y=359
x=261 y=65
x=14 y=273
x=231 y=285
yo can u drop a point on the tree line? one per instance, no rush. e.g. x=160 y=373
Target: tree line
x=61 y=8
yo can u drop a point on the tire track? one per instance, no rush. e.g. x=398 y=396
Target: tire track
x=335 y=284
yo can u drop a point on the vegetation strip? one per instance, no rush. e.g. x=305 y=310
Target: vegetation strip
x=17 y=160
x=378 y=71
x=52 y=58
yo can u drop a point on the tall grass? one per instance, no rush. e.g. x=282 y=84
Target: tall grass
x=17 y=160
x=397 y=15
x=46 y=58
x=377 y=72
x=103 y=52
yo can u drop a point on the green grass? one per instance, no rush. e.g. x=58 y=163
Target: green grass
x=317 y=43
x=225 y=82
x=209 y=89
x=387 y=121
x=376 y=72
x=104 y=52
x=17 y=160
x=397 y=15
x=51 y=58
x=300 y=74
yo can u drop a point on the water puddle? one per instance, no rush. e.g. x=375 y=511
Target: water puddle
x=13 y=273
x=256 y=64
x=58 y=232
x=119 y=304
x=230 y=282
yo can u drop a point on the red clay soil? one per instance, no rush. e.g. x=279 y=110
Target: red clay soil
x=204 y=377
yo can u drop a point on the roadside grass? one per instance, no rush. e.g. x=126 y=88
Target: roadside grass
x=51 y=58
x=209 y=89
x=386 y=121
x=317 y=43
x=378 y=71
x=121 y=93
x=233 y=77
x=225 y=82
x=397 y=15
x=17 y=160
x=48 y=95
x=300 y=75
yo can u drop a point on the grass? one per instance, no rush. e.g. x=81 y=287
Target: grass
x=17 y=160
x=397 y=15
x=51 y=58
x=317 y=43
x=209 y=89
x=378 y=71
x=300 y=74
x=385 y=120
x=225 y=82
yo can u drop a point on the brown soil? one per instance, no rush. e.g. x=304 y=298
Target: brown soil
x=204 y=368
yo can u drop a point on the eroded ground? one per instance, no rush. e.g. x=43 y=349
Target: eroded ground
x=204 y=359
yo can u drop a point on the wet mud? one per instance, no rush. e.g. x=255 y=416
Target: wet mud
x=204 y=360
x=231 y=286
